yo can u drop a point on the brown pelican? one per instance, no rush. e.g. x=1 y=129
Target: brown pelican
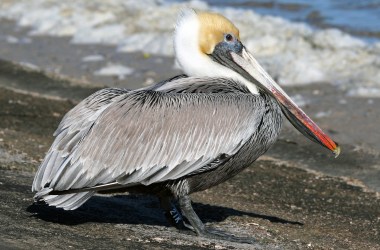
x=180 y=136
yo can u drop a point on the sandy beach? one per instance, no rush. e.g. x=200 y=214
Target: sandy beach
x=297 y=196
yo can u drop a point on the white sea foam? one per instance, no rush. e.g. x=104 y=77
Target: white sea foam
x=300 y=100
x=365 y=91
x=322 y=114
x=293 y=53
x=29 y=65
x=13 y=39
x=93 y=58
x=115 y=70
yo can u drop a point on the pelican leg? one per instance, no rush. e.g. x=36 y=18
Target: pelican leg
x=191 y=216
x=173 y=215
x=201 y=230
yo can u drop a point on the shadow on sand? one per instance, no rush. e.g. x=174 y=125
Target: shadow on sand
x=135 y=209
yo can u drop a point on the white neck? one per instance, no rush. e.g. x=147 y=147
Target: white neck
x=192 y=60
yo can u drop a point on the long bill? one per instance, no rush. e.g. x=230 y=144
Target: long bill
x=253 y=72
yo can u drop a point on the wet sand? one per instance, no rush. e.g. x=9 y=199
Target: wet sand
x=297 y=196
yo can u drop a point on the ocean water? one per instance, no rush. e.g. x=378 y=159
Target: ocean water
x=359 y=18
x=294 y=51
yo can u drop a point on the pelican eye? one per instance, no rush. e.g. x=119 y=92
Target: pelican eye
x=229 y=38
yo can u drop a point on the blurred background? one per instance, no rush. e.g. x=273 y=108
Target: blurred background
x=298 y=41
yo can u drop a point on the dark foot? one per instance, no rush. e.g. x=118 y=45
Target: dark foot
x=201 y=230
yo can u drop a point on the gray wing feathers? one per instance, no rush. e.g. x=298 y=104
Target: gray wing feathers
x=73 y=128
x=68 y=201
x=145 y=137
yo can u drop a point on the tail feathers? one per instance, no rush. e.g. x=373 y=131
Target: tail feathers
x=65 y=201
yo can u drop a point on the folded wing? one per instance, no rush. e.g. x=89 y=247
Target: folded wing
x=145 y=137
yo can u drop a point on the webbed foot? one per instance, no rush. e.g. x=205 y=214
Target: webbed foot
x=199 y=228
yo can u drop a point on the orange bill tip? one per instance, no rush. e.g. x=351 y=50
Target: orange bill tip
x=336 y=151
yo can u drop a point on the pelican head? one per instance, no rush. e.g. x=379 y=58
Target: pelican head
x=208 y=45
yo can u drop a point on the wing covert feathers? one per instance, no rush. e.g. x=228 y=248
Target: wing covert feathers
x=143 y=137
